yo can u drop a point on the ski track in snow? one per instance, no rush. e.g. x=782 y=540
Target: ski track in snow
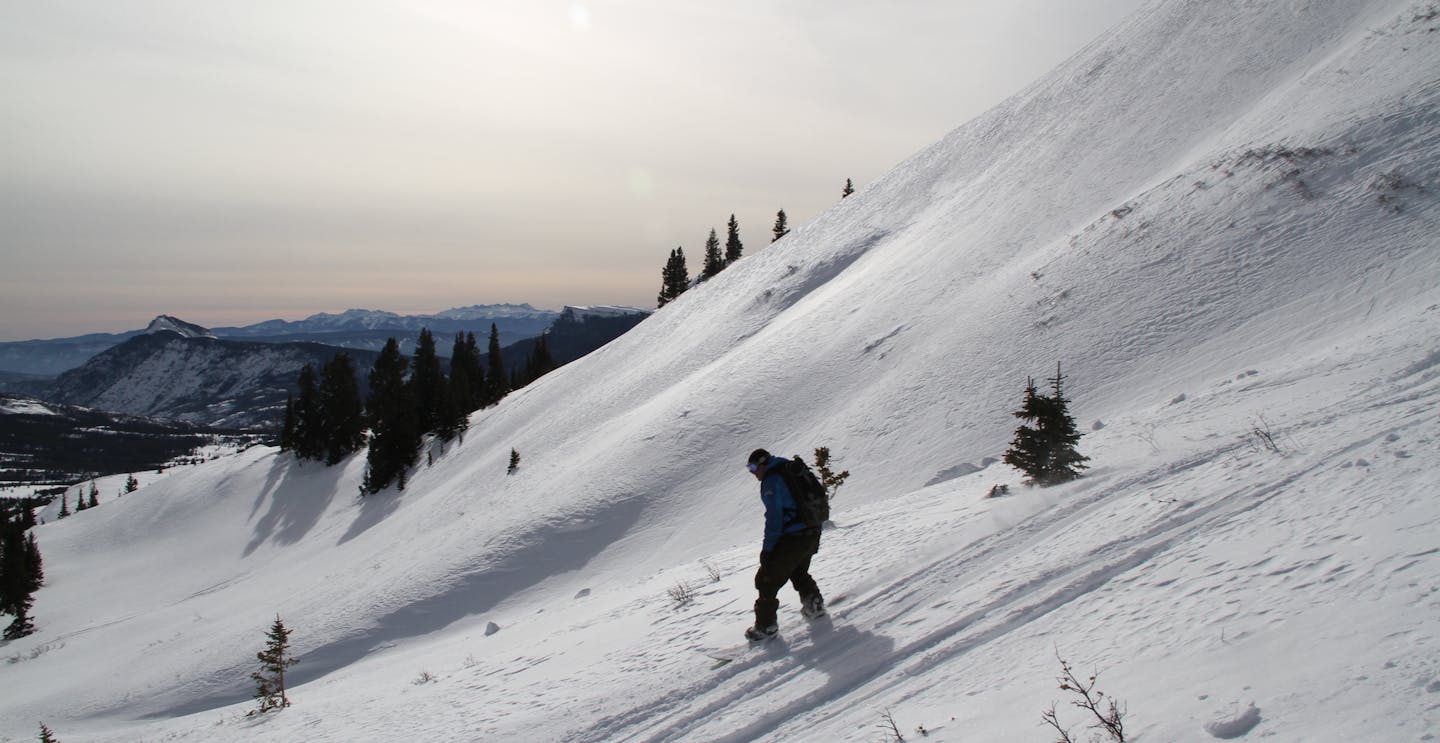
x=858 y=652
x=854 y=658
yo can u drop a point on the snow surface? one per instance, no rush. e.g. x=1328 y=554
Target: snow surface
x=1221 y=217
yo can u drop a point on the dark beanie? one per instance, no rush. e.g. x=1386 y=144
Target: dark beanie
x=759 y=456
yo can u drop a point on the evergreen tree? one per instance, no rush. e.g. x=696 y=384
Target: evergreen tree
x=782 y=227
x=131 y=484
x=22 y=625
x=497 y=382
x=540 y=362
x=1063 y=435
x=34 y=563
x=675 y=279
x=287 y=428
x=46 y=735
x=428 y=382
x=64 y=509
x=394 y=432
x=849 y=189
x=94 y=494
x=733 y=248
x=342 y=414
x=1044 y=445
x=460 y=394
x=20 y=576
x=274 y=659
x=514 y=462
x=475 y=370
x=309 y=429
x=714 y=260
x=1027 y=449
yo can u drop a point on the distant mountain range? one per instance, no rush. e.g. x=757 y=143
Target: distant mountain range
x=178 y=370
x=199 y=379
x=22 y=361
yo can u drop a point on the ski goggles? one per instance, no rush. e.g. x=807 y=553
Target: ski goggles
x=754 y=467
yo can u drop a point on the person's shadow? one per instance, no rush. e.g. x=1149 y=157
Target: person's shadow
x=848 y=656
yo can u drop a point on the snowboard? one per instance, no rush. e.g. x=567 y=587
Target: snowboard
x=724 y=656
x=727 y=654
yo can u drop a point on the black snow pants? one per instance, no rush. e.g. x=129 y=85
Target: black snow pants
x=789 y=562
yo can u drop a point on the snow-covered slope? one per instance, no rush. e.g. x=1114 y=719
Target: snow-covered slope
x=1220 y=217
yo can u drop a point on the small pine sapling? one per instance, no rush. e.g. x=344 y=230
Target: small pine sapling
x=514 y=462
x=831 y=479
x=46 y=735
x=274 y=659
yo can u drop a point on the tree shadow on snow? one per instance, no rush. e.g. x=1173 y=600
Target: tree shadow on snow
x=536 y=557
x=298 y=495
x=374 y=508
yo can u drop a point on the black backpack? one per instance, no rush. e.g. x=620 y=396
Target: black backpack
x=812 y=501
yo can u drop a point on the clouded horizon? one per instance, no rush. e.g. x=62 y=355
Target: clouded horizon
x=229 y=163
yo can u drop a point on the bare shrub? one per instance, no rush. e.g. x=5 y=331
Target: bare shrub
x=682 y=594
x=891 y=728
x=1261 y=438
x=1108 y=714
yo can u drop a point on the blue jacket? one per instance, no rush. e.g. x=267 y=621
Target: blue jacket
x=782 y=516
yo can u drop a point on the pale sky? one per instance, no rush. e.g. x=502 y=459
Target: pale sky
x=232 y=162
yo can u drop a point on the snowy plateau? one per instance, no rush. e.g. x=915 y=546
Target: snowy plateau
x=1220 y=217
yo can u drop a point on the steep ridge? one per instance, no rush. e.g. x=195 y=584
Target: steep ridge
x=1205 y=191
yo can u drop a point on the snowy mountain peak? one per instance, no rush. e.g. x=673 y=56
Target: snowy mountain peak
x=169 y=324
x=479 y=311
x=574 y=313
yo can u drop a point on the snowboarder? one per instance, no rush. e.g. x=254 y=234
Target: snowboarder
x=785 y=554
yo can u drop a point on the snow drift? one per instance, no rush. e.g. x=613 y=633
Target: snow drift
x=1219 y=217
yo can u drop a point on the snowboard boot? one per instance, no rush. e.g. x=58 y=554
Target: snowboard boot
x=766 y=625
x=758 y=634
x=812 y=607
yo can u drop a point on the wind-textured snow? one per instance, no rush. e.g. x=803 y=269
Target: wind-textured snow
x=1220 y=217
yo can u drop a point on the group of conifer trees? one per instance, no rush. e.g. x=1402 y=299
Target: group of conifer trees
x=21 y=569
x=675 y=277
x=408 y=398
